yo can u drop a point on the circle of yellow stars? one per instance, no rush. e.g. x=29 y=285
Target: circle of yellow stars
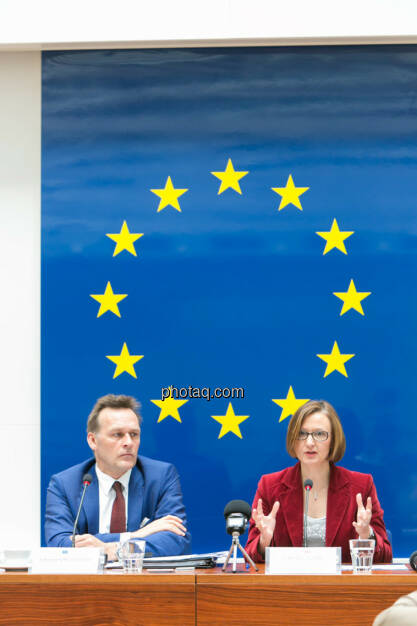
x=169 y=195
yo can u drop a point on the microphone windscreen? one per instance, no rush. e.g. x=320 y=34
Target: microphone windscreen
x=308 y=483
x=237 y=506
x=413 y=560
x=87 y=478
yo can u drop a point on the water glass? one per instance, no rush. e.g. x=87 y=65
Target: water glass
x=362 y=553
x=130 y=554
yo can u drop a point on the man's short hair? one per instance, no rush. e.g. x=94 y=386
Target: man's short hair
x=111 y=401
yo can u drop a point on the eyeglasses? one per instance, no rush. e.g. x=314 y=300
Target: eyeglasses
x=318 y=435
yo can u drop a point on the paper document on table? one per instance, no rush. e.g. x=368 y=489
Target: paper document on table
x=187 y=557
x=206 y=560
x=388 y=567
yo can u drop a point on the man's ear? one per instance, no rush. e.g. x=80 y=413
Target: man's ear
x=91 y=440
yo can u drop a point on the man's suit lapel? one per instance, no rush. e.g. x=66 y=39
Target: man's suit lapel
x=337 y=503
x=135 y=502
x=291 y=501
x=91 y=505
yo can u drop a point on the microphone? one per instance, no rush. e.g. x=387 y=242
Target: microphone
x=413 y=560
x=87 y=480
x=237 y=514
x=308 y=485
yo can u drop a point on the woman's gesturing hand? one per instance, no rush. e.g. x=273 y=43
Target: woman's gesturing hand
x=363 y=518
x=265 y=524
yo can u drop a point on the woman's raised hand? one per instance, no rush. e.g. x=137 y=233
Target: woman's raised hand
x=265 y=524
x=363 y=518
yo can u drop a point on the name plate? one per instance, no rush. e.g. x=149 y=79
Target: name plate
x=303 y=560
x=67 y=561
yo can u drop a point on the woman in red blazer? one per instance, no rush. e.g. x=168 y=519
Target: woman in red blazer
x=343 y=505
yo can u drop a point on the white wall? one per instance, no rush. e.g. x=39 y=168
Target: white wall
x=103 y=22
x=20 y=144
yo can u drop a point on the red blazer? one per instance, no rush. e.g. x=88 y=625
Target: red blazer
x=285 y=486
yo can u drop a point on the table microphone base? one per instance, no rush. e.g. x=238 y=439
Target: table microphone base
x=233 y=548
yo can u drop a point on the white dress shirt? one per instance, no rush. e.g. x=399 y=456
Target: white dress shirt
x=107 y=496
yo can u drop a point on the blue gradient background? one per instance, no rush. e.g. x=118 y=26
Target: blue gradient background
x=232 y=292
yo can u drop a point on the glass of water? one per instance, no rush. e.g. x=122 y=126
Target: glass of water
x=130 y=554
x=362 y=553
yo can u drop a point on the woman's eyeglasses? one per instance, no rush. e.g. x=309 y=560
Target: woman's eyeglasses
x=318 y=435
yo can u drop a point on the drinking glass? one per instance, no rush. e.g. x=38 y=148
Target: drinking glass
x=362 y=553
x=130 y=553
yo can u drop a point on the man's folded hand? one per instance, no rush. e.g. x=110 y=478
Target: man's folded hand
x=170 y=523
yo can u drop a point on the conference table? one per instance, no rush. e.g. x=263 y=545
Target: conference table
x=199 y=597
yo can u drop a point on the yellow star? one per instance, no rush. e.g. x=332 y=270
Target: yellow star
x=124 y=240
x=229 y=178
x=108 y=300
x=230 y=422
x=289 y=404
x=169 y=195
x=335 y=361
x=335 y=238
x=352 y=298
x=124 y=362
x=290 y=194
x=169 y=406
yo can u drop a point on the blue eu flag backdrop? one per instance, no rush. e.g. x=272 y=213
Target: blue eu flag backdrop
x=239 y=220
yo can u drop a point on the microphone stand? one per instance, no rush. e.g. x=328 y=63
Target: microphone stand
x=307 y=490
x=86 y=483
x=233 y=548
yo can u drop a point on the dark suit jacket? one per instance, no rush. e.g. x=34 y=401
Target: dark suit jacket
x=286 y=487
x=154 y=491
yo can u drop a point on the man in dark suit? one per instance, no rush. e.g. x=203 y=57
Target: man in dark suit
x=130 y=496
